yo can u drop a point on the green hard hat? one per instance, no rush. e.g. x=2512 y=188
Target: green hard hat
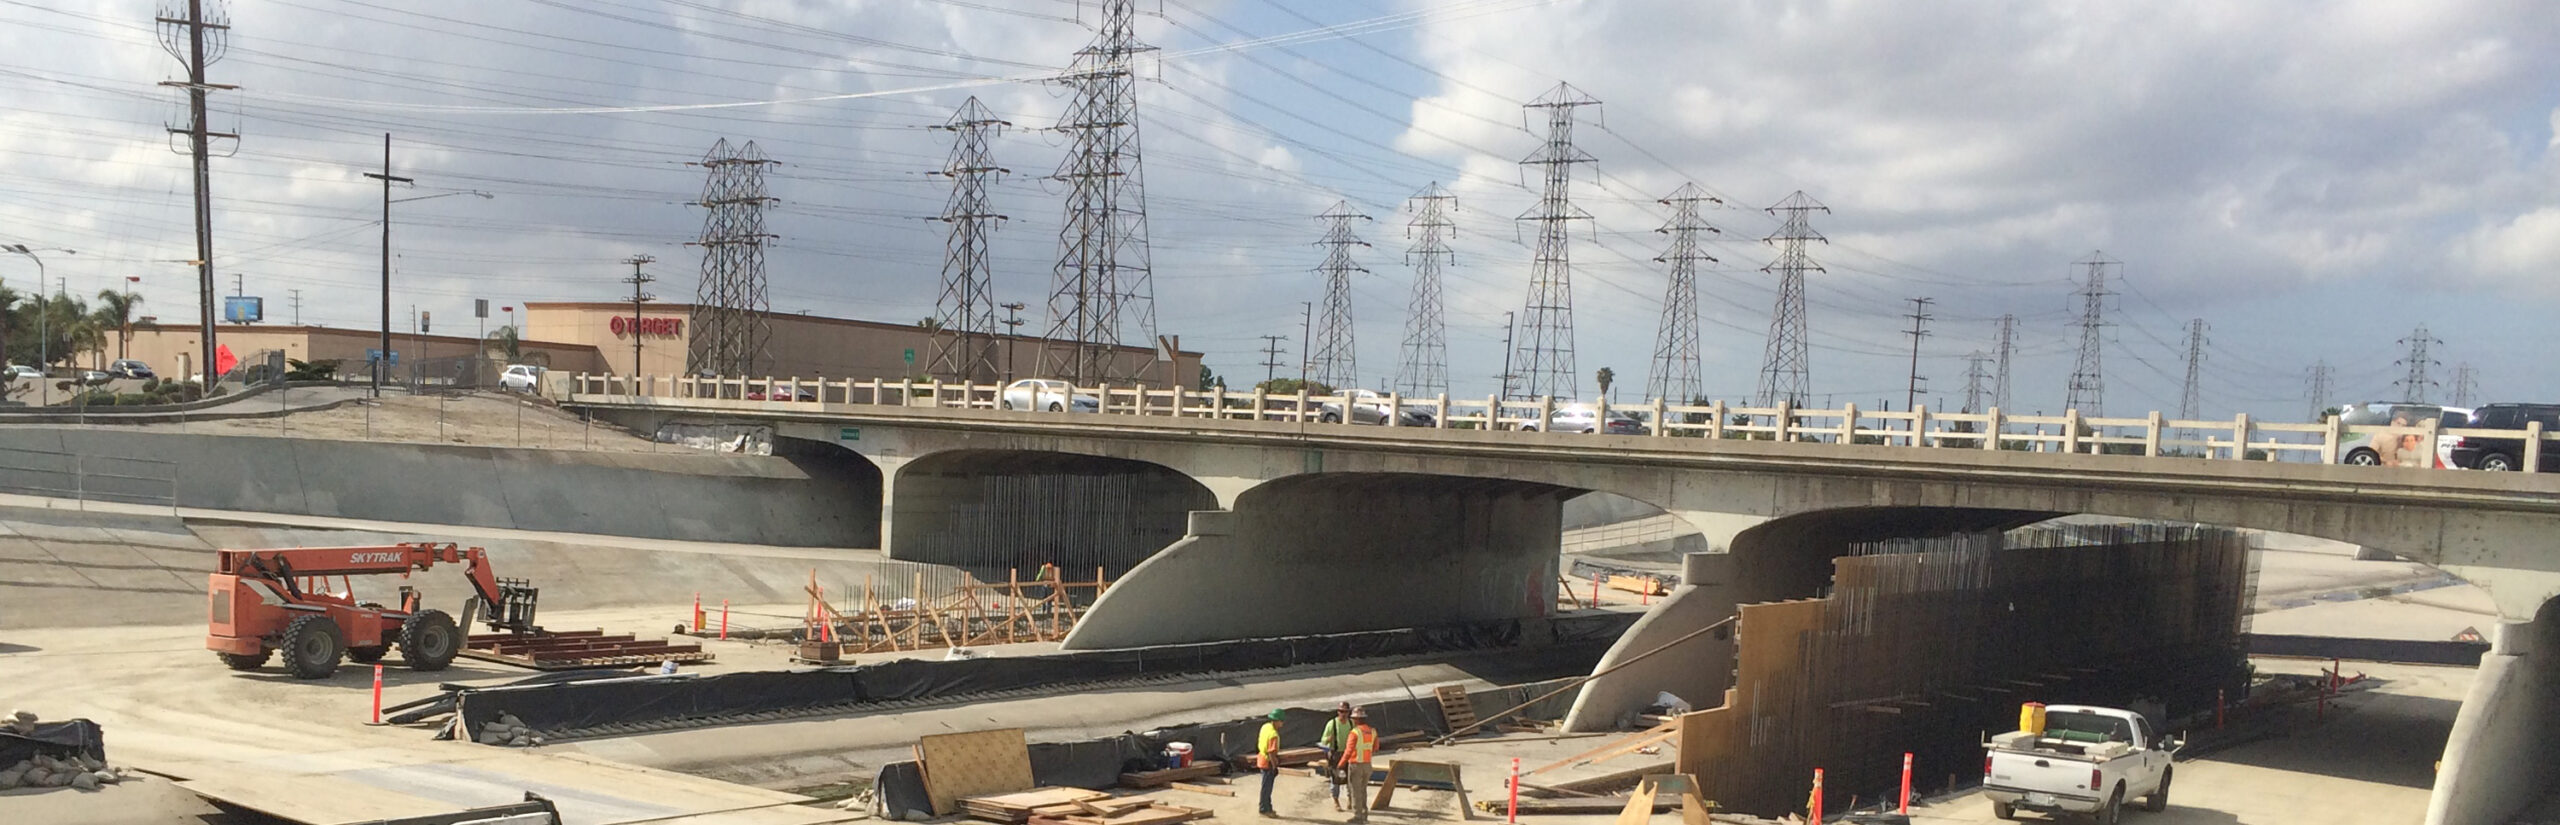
x=1276 y=713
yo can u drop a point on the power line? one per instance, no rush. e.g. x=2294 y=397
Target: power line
x=964 y=346
x=1548 y=352
x=1676 y=367
x=1785 y=370
x=1424 y=369
x=1337 y=361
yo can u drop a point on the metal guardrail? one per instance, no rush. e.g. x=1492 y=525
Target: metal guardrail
x=87 y=478
x=2154 y=435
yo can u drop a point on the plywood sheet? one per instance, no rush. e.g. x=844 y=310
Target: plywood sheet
x=976 y=763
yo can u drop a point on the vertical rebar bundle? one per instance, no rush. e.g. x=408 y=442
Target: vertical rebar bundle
x=2413 y=387
x=1424 y=369
x=1676 y=371
x=2088 y=384
x=1546 y=345
x=965 y=338
x=1103 y=289
x=1336 y=355
x=729 y=306
x=1785 y=374
x=2002 y=348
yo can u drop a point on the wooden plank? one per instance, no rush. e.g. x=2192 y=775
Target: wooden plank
x=977 y=763
x=1639 y=807
x=1657 y=733
x=1207 y=789
x=1197 y=769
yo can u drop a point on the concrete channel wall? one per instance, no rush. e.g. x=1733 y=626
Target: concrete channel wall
x=806 y=501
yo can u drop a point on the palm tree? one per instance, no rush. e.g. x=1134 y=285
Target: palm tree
x=115 y=311
x=9 y=299
x=504 y=341
x=1606 y=377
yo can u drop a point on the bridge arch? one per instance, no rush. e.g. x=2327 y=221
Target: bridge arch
x=1339 y=552
x=995 y=510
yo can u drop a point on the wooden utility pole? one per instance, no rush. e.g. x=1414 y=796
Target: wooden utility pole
x=637 y=280
x=187 y=39
x=382 y=361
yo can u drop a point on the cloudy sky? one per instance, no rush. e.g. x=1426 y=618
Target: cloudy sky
x=2312 y=180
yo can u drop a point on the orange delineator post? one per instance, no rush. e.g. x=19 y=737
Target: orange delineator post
x=724 y=618
x=377 y=693
x=1906 y=784
x=1814 y=806
x=1514 y=815
x=697 y=612
x=1595 y=590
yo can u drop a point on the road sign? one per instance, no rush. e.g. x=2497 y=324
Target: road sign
x=911 y=356
x=848 y=433
x=479 y=307
x=371 y=355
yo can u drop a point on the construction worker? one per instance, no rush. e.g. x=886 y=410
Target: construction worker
x=1336 y=730
x=1266 y=755
x=1358 y=748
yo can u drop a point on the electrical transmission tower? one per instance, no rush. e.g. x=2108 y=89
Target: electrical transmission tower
x=1976 y=371
x=1785 y=376
x=729 y=329
x=2191 y=400
x=2466 y=383
x=1675 y=376
x=1424 y=369
x=1337 y=362
x=964 y=341
x=1546 y=353
x=2320 y=377
x=199 y=39
x=2088 y=384
x=2413 y=387
x=2002 y=348
x=1103 y=289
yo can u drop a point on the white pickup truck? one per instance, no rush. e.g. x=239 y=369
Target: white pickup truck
x=2088 y=760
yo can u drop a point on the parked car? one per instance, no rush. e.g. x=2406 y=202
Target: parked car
x=92 y=378
x=2475 y=452
x=802 y=394
x=2361 y=449
x=2086 y=760
x=520 y=378
x=130 y=368
x=1368 y=407
x=22 y=372
x=1584 y=418
x=1047 y=394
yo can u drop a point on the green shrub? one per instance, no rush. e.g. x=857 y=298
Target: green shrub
x=135 y=399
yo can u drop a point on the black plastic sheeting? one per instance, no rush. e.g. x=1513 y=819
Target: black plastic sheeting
x=1098 y=763
x=576 y=706
x=2408 y=651
x=79 y=737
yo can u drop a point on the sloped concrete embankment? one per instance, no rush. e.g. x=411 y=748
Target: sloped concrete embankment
x=804 y=501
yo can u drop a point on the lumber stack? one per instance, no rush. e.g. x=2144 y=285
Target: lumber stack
x=1146 y=812
x=1200 y=769
x=1021 y=806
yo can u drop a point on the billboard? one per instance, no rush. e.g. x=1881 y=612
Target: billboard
x=244 y=309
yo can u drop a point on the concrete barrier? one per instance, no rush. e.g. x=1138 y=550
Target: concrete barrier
x=809 y=501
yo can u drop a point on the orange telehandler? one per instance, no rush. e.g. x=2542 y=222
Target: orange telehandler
x=265 y=601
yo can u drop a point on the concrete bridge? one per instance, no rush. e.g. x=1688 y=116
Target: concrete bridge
x=1232 y=526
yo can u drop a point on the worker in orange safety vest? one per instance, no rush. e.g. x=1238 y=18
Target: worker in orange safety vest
x=1358 y=749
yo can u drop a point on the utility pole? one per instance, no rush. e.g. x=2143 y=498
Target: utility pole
x=1103 y=270
x=1920 y=317
x=1675 y=376
x=2088 y=385
x=1785 y=368
x=1337 y=356
x=1013 y=334
x=1306 y=332
x=2413 y=388
x=2191 y=400
x=1424 y=369
x=382 y=364
x=1548 y=352
x=966 y=311
x=639 y=296
x=729 y=306
x=2466 y=383
x=297 y=306
x=2319 y=377
x=199 y=40
x=1271 y=356
x=2002 y=348
x=1507 y=376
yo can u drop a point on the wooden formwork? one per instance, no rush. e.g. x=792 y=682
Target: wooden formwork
x=571 y=649
x=974 y=613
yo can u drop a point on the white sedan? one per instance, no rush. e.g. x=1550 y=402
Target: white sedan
x=1047 y=394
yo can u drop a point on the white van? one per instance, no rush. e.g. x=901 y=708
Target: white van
x=2361 y=448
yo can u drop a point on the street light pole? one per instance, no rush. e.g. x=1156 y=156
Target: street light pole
x=44 y=354
x=381 y=359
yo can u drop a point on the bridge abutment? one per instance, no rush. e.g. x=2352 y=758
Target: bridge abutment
x=2504 y=751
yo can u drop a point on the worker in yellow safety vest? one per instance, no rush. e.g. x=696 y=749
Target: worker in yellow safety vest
x=1358 y=749
x=1266 y=756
